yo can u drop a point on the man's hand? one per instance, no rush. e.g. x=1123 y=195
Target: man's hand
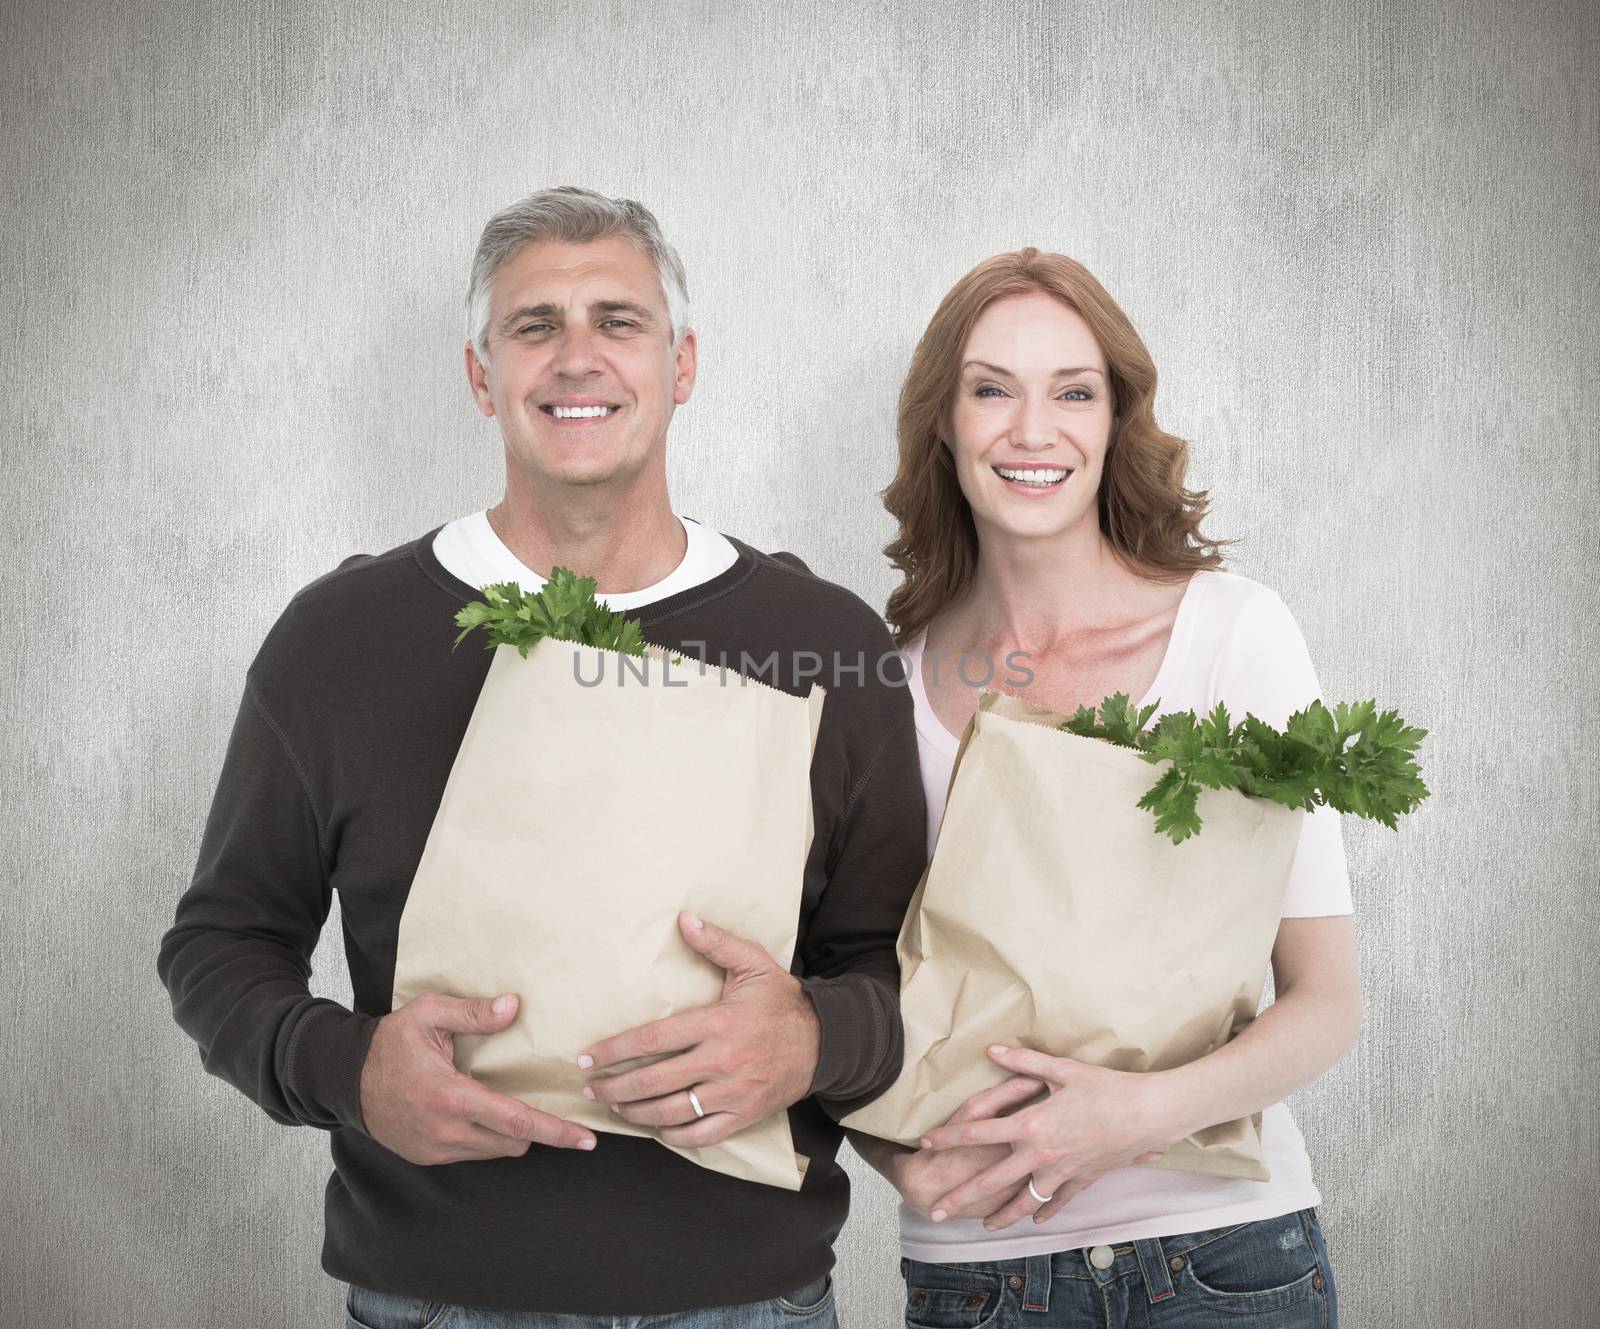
x=746 y=1056
x=417 y=1104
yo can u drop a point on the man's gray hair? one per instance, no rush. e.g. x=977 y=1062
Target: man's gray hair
x=573 y=216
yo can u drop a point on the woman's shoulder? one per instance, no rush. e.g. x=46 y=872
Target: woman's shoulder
x=1231 y=607
x=1229 y=593
x=1256 y=651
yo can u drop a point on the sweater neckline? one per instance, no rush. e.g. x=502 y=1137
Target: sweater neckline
x=654 y=612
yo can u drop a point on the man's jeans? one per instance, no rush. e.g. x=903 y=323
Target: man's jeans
x=809 y=1307
x=1269 y=1274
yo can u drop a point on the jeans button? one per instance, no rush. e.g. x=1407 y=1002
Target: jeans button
x=1102 y=1257
x=1016 y=1282
x=1316 y=1281
x=1175 y=1263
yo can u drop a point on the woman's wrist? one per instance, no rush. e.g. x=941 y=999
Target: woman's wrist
x=1161 y=1107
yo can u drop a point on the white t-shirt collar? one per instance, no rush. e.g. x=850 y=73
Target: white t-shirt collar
x=469 y=549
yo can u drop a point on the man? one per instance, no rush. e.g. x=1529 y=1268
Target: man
x=445 y=1192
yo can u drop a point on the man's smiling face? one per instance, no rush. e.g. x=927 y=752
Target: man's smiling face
x=581 y=371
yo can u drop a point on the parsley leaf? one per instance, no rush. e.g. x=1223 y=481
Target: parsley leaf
x=1353 y=758
x=565 y=608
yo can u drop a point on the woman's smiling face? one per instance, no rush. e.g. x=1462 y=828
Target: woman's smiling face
x=1031 y=418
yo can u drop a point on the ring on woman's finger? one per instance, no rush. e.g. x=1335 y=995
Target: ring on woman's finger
x=694 y=1102
x=1033 y=1191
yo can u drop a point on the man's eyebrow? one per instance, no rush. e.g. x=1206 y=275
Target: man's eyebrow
x=1060 y=373
x=602 y=307
x=527 y=311
x=624 y=307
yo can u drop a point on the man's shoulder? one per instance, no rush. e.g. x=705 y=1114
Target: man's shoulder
x=358 y=577
x=351 y=608
x=789 y=583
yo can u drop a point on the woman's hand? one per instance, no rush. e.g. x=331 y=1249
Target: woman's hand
x=925 y=1176
x=1093 y=1120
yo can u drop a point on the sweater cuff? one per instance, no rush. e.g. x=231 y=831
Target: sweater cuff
x=327 y=1050
x=859 y=1032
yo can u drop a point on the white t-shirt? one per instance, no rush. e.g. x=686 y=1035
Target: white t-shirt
x=1235 y=641
x=469 y=549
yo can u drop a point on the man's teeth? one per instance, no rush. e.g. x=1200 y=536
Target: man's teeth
x=580 y=412
x=1034 y=477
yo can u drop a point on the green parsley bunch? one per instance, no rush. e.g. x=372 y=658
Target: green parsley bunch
x=565 y=608
x=1352 y=758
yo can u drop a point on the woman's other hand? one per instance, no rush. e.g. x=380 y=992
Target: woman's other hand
x=925 y=1176
x=1093 y=1120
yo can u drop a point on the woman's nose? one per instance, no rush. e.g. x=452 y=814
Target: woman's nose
x=1034 y=428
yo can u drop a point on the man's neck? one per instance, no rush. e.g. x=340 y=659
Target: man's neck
x=625 y=544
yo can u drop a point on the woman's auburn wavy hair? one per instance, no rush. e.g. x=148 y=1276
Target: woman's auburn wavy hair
x=1150 y=520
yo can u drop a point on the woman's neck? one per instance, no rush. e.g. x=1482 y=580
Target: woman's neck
x=1032 y=594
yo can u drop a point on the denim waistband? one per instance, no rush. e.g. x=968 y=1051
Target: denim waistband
x=1152 y=1257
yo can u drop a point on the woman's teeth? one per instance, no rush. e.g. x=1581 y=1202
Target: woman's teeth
x=1039 y=478
x=580 y=412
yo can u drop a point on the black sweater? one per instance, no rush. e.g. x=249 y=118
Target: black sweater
x=352 y=713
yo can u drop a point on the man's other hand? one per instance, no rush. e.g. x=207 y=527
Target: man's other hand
x=745 y=1057
x=416 y=1103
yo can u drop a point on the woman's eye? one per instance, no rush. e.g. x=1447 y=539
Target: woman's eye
x=986 y=388
x=1077 y=394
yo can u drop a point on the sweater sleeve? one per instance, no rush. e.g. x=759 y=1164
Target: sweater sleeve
x=237 y=960
x=851 y=970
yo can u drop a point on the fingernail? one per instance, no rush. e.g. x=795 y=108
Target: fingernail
x=585 y=1061
x=586 y=1144
x=588 y=1093
x=925 y=1143
x=695 y=924
x=502 y=1005
x=938 y=1215
x=999 y=1047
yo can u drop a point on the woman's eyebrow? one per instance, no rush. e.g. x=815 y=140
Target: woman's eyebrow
x=996 y=369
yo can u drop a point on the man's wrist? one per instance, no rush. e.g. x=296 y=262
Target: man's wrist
x=811 y=1040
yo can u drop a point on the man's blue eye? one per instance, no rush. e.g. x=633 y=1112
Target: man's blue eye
x=620 y=321
x=531 y=327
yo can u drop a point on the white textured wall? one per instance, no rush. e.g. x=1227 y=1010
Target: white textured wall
x=1360 y=240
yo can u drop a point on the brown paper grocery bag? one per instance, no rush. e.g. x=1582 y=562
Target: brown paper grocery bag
x=595 y=795
x=1053 y=917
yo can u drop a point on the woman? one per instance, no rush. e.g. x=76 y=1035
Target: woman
x=1043 y=511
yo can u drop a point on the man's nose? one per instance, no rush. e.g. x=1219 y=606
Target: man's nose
x=576 y=353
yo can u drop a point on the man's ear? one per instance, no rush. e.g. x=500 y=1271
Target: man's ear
x=478 y=380
x=686 y=360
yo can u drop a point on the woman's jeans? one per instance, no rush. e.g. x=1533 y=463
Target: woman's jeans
x=810 y=1307
x=1273 y=1273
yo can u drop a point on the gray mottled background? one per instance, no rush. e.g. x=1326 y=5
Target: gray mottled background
x=1360 y=240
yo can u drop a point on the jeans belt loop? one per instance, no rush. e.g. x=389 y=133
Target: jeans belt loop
x=1036 y=1283
x=1153 y=1265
